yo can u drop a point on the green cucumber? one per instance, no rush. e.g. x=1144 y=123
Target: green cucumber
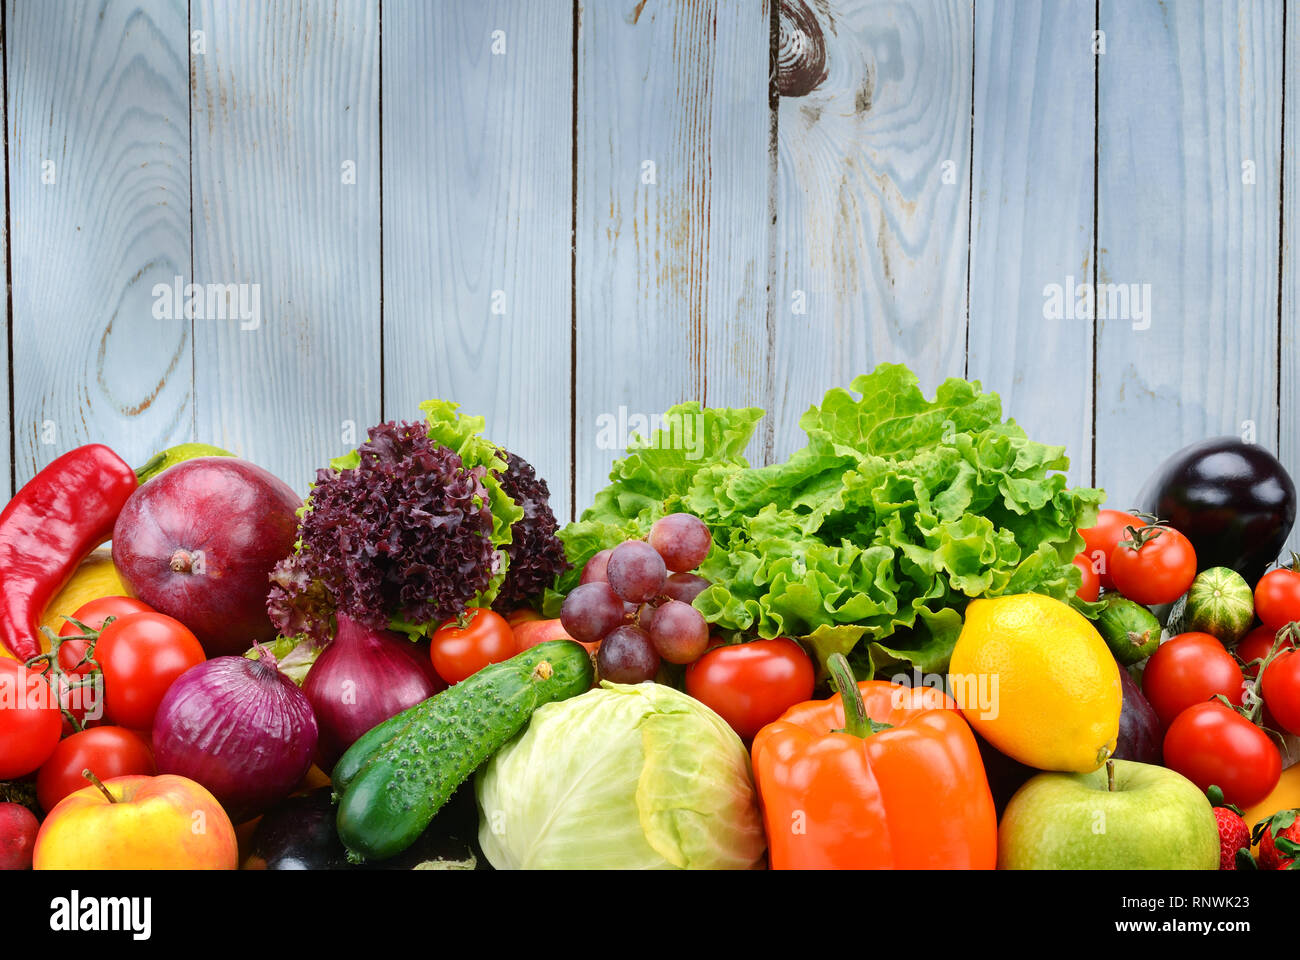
x=1130 y=630
x=1220 y=602
x=392 y=781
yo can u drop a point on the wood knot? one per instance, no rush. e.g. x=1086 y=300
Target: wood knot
x=800 y=50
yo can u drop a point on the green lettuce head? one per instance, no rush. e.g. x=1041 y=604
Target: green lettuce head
x=624 y=777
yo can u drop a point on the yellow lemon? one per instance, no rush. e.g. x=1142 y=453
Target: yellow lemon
x=1034 y=678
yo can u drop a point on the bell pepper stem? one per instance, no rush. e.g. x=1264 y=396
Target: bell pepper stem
x=856 y=721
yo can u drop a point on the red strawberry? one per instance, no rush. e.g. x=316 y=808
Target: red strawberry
x=1279 y=841
x=1234 y=835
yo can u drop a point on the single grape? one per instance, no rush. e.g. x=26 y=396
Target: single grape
x=595 y=568
x=684 y=586
x=591 y=611
x=635 y=571
x=682 y=540
x=644 y=614
x=626 y=655
x=679 y=632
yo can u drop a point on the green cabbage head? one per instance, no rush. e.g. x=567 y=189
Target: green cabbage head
x=628 y=777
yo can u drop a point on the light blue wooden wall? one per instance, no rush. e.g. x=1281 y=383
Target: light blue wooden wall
x=555 y=210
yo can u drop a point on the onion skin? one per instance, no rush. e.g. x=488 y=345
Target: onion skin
x=361 y=679
x=240 y=728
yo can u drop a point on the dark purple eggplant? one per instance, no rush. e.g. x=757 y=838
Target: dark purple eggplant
x=1234 y=501
x=1005 y=776
x=1139 y=727
x=300 y=834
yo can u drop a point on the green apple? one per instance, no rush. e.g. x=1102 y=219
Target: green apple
x=1150 y=818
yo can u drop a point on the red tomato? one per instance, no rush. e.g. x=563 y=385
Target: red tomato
x=751 y=684
x=1213 y=744
x=93 y=615
x=1100 y=540
x=459 y=652
x=1277 y=598
x=141 y=655
x=104 y=751
x=30 y=721
x=1256 y=645
x=1280 y=687
x=1189 y=669
x=1160 y=571
x=1090 y=589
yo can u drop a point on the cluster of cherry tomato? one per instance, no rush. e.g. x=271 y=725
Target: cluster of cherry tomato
x=1149 y=563
x=92 y=707
x=1214 y=733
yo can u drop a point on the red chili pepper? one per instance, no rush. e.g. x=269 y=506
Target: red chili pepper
x=56 y=519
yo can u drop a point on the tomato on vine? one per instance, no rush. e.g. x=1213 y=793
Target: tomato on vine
x=1090 y=586
x=1155 y=564
x=1212 y=744
x=91 y=615
x=1277 y=597
x=1100 y=540
x=30 y=721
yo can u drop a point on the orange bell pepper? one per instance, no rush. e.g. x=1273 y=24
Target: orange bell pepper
x=899 y=785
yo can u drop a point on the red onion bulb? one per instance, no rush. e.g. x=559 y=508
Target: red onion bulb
x=361 y=679
x=240 y=728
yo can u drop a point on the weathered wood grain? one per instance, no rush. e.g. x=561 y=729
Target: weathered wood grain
x=736 y=352
x=1190 y=108
x=285 y=98
x=672 y=236
x=1031 y=217
x=99 y=214
x=1289 y=317
x=477 y=154
x=872 y=197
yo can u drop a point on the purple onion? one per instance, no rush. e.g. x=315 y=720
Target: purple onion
x=361 y=679
x=240 y=728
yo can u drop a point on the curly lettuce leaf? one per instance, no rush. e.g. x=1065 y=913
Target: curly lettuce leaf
x=871 y=539
x=464 y=434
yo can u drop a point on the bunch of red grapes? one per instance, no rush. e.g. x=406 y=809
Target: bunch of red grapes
x=636 y=600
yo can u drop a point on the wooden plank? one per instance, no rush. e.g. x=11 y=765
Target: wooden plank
x=872 y=194
x=736 y=350
x=99 y=213
x=286 y=204
x=672 y=231
x=477 y=219
x=1190 y=107
x=1288 y=324
x=1031 y=217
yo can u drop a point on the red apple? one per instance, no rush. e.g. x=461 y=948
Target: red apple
x=198 y=542
x=151 y=823
x=18 y=827
x=530 y=633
